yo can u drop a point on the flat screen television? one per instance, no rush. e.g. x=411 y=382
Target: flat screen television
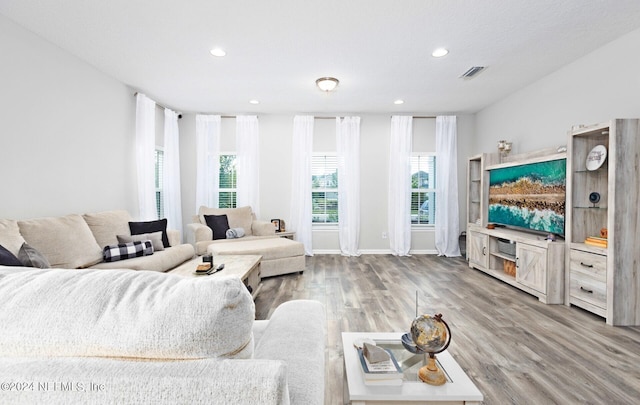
x=529 y=195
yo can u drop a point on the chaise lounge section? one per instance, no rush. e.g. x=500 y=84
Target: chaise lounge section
x=279 y=255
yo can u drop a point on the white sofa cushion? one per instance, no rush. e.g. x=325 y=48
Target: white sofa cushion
x=106 y=225
x=67 y=242
x=122 y=313
x=159 y=261
x=269 y=248
x=240 y=217
x=292 y=335
x=10 y=236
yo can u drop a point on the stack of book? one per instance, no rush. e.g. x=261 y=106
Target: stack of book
x=386 y=372
x=596 y=241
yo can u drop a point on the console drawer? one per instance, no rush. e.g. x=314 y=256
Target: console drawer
x=590 y=264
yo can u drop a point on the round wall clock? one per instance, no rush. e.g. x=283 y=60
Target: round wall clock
x=596 y=157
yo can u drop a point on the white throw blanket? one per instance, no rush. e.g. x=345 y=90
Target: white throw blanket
x=234 y=233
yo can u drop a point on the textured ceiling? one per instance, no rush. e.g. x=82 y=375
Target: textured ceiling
x=380 y=50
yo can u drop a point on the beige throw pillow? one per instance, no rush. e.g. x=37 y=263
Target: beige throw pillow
x=155 y=238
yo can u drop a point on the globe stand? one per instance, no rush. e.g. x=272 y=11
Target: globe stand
x=431 y=373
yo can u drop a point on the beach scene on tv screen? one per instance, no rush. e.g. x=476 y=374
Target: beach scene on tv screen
x=529 y=196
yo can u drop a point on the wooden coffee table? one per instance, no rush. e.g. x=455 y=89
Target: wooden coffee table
x=459 y=389
x=247 y=267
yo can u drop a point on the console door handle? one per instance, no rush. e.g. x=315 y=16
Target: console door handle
x=586 y=265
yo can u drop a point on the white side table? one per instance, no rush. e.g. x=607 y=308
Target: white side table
x=288 y=235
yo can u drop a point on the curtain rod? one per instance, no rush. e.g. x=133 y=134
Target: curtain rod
x=161 y=106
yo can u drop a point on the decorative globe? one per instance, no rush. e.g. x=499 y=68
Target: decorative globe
x=430 y=334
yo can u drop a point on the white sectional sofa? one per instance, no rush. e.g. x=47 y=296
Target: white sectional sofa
x=279 y=255
x=77 y=241
x=142 y=337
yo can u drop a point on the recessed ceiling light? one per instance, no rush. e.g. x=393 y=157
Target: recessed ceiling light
x=254 y=102
x=440 y=52
x=398 y=102
x=217 y=52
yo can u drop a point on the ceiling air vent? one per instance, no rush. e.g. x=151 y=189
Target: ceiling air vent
x=472 y=72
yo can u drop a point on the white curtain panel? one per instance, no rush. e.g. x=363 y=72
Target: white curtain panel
x=399 y=207
x=248 y=162
x=447 y=218
x=171 y=192
x=145 y=162
x=348 y=141
x=207 y=160
x=300 y=220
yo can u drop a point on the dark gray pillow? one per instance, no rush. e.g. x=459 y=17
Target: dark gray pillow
x=219 y=224
x=138 y=228
x=7 y=258
x=155 y=238
x=30 y=257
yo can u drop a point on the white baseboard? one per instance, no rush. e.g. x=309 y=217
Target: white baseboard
x=375 y=252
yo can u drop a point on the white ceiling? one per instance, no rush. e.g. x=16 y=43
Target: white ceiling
x=379 y=49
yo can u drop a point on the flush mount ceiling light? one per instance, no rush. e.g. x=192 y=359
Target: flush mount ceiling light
x=217 y=52
x=254 y=102
x=439 y=53
x=398 y=102
x=327 y=83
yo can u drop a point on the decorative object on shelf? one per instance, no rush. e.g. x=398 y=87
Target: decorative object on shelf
x=594 y=198
x=429 y=335
x=504 y=147
x=327 y=84
x=604 y=233
x=509 y=267
x=551 y=237
x=279 y=224
x=596 y=157
x=562 y=149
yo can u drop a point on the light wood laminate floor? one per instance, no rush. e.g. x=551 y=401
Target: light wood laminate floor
x=516 y=349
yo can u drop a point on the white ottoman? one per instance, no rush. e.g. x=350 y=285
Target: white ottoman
x=279 y=255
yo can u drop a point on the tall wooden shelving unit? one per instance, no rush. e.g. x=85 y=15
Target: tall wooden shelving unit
x=477 y=198
x=604 y=280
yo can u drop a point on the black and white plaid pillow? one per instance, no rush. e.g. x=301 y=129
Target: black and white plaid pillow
x=122 y=251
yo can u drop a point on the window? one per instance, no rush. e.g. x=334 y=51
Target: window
x=158 y=157
x=423 y=189
x=324 y=189
x=228 y=181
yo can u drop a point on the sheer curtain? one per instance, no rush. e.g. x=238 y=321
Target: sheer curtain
x=248 y=162
x=171 y=192
x=300 y=220
x=145 y=162
x=348 y=142
x=399 y=209
x=207 y=160
x=447 y=219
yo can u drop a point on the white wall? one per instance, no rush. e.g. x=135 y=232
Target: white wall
x=276 y=133
x=597 y=87
x=66 y=132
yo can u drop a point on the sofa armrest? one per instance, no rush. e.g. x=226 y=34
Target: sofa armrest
x=174 y=236
x=115 y=381
x=197 y=232
x=296 y=334
x=262 y=228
